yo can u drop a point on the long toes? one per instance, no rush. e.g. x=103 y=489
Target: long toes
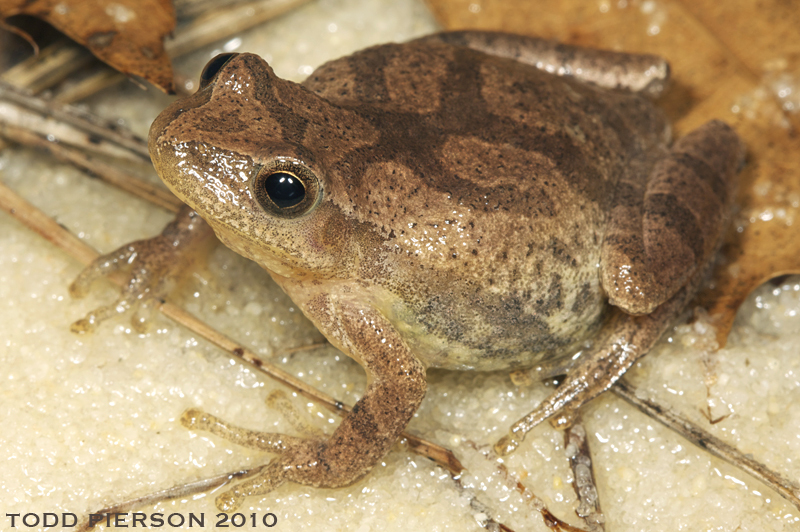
x=196 y=419
x=229 y=501
x=102 y=266
x=94 y=318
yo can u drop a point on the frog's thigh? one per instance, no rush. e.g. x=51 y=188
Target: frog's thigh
x=664 y=228
x=634 y=72
x=396 y=387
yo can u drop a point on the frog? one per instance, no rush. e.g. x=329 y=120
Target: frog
x=471 y=201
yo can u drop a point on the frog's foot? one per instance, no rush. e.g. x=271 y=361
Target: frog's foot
x=366 y=433
x=149 y=263
x=295 y=453
x=152 y=264
x=309 y=461
x=624 y=340
x=592 y=376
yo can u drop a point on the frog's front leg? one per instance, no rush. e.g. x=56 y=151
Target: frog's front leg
x=153 y=264
x=612 y=70
x=663 y=233
x=396 y=386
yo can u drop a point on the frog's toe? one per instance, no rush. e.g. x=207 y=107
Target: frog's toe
x=102 y=266
x=506 y=445
x=299 y=457
x=94 y=318
x=140 y=304
x=278 y=400
x=267 y=480
x=141 y=309
x=143 y=314
x=195 y=419
x=229 y=501
x=150 y=265
x=572 y=393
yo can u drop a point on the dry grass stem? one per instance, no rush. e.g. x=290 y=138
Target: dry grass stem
x=51 y=66
x=44 y=226
x=105 y=171
x=223 y=23
x=692 y=432
x=192 y=8
x=70 y=125
x=100 y=77
x=176 y=492
x=513 y=483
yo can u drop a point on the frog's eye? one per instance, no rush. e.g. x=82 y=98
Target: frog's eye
x=213 y=67
x=286 y=188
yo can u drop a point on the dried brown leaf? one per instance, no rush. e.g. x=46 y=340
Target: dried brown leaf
x=126 y=34
x=725 y=57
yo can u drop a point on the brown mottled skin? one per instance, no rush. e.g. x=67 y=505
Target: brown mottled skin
x=474 y=212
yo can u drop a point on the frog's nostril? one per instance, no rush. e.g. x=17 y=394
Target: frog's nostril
x=213 y=67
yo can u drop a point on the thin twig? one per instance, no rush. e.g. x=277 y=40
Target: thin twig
x=100 y=135
x=530 y=498
x=100 y=77
x=73 y=135
x=184 y=490
x=220 y=24
x=192 y=8
x=49 y=67
x=45 y=226
x=686 y=428
x=550 y=520
x=105 y=171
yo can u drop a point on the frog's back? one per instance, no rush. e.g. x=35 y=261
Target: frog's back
x=489 y=183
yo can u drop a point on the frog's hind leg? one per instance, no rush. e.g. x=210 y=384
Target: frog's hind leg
x=669 y=231
x=269 y=478
x=622 y=341
x=665 y=226
x=643 y=73
x=396 y=387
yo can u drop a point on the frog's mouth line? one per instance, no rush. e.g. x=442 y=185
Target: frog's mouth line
x=292 y=248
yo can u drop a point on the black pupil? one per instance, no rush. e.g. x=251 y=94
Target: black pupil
x=284 y=189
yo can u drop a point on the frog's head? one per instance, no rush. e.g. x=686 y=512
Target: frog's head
x=249 y=152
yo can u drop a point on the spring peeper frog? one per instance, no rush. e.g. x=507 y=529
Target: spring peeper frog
x=468 y=201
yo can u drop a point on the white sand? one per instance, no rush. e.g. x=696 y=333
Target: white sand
x=88 y=421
